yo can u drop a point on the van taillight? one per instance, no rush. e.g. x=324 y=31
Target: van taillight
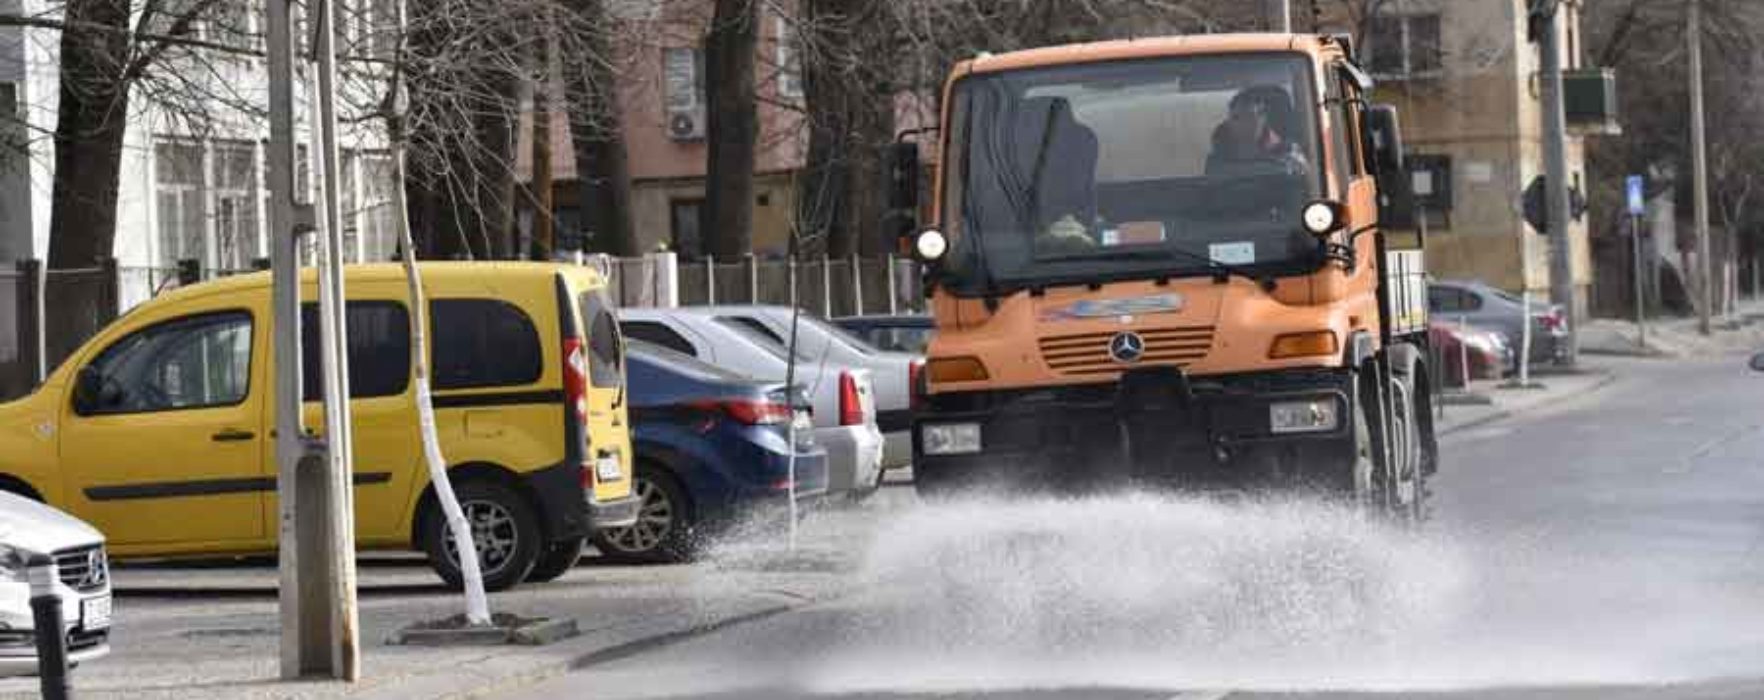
x=851 y=407
x=575 y=378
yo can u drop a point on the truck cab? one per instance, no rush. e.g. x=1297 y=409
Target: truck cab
x=1173 y=259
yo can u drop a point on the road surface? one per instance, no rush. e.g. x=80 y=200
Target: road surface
x=1611 y=546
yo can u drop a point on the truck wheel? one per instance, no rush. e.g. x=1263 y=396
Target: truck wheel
x=505 y=532
x=1362 y=482
x=663 y=532
x=557 y=560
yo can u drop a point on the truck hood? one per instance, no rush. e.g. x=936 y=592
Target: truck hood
x=30 y=525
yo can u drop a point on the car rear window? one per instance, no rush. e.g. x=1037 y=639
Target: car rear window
x=605 y=356
x=764 y=339
x=659 y=335
x=484 y=343
x=379 y=350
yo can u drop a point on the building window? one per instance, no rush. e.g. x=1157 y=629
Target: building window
x=1406 y=46
x=789 y=61
x=178 y=189
x=235 y=205
x=683 y=217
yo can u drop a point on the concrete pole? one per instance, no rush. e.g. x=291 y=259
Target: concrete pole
x=1635 y=246
x=1556 y=181
x=1279 y=14
x=339 y=457
x=1699 y=167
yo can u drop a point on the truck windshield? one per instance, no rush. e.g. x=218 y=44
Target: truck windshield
x=1129 y=170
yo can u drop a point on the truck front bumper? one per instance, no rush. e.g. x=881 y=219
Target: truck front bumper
x=1153 y=422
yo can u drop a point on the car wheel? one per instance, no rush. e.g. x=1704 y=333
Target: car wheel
x=663 y=531
x=557 y=560
x=505 y=532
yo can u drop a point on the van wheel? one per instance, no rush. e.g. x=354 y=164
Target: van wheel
x=505 y=532
x=663 y=532
x=558 y=559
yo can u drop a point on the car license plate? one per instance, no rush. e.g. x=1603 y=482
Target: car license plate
x=95 y=613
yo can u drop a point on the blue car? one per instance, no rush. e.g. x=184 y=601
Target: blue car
x=712 y=449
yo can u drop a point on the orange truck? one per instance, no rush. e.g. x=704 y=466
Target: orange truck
x=1180 y=260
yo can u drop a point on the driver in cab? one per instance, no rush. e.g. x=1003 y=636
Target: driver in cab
x=1256 y=136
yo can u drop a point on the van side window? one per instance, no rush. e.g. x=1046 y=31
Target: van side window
x=483 y=343
x=379 y=350
x=194 y=362
x=605 y=352
x=652 y=332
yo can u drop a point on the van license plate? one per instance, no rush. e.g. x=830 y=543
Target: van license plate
x=95 y=613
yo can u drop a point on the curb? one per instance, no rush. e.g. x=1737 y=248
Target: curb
x=1605 y=379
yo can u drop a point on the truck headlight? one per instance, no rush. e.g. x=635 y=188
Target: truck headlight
x=950 y=438
x=1319 y=415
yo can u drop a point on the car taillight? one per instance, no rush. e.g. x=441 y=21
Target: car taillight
x=575 y=380
x=1552 y=320
x=851 y=407
x=751 y=412
x=915 y=383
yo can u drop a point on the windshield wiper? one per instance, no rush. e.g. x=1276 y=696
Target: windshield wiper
x=1221 y=271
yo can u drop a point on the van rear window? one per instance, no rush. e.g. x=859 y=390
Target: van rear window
x=605 y=356
x=483 y=343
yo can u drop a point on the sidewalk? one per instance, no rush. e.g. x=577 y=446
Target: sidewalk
x=1502 y=403
x=1678 y=337
x=191 y=632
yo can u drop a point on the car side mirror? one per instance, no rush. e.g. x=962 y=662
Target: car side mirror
x=1757 y=363
x=88 y=389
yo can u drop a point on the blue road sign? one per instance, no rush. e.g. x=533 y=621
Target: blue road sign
x=1638 y=204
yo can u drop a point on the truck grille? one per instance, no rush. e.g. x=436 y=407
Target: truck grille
x=1088 y=353
x=83 y=569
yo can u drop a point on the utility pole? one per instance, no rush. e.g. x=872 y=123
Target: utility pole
x=1699 y=166
x=1279 y=13
x=1555 y=124
x=319 y=630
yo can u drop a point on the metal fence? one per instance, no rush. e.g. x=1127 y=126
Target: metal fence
x=829 y=287
x=45 y=315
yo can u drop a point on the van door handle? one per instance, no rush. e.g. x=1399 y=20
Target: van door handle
x=233 y=435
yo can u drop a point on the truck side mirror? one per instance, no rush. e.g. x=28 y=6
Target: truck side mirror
x=903 y=193
x=1396 y=195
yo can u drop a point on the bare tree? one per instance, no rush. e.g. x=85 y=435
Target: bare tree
x=732 y=127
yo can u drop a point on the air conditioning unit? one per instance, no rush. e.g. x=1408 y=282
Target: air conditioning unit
x=686 y=124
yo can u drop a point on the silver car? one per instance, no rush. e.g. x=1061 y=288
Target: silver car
x=28 y=529
x=843 y=400
x=895 y=372
x=1481 y=305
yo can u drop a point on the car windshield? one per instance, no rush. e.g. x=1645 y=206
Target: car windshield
x=1130 y=169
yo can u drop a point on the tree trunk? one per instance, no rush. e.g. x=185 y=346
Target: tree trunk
x=493 y=172
x=544 y=233
x=733 y=128
x=871 y=134
x=603 y=170
x=822 y=214
x=92 y=118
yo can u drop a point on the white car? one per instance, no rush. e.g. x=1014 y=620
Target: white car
x=894 y=372
x=842 y=398
x=27 y=529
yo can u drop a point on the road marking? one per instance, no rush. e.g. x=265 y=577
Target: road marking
x=1685 y=465
x=1201 y=695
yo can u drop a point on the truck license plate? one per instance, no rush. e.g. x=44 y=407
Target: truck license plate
x=95 y=613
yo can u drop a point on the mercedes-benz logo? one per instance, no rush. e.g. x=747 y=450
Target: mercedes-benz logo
x=1126 y=346
x=96 y=569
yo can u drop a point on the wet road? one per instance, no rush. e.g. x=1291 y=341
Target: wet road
x=1611 y=546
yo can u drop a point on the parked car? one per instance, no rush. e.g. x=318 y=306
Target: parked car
x=158 y=430
x=1495 y=309
x=1486 y=352
x=896 y=373
x=29 y=529
x=908 y=333
x=841 y=397
x=712 y=448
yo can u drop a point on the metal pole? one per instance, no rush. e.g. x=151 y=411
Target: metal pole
x=1556 y=181
x=1641 y=325
x=1279 y=14
x=1525 y=338
x=710 y=280
x=1699 y=166
x=1464 y=351
x=893 y=290
x=50 y=628
x=826 y=286
x=752 y=279
x=856 y=266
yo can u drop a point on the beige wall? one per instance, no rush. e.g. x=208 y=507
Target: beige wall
x=773 y=207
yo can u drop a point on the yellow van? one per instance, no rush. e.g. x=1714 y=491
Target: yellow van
x=159 y=431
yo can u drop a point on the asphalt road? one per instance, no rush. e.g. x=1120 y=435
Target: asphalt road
x=1607 y=547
